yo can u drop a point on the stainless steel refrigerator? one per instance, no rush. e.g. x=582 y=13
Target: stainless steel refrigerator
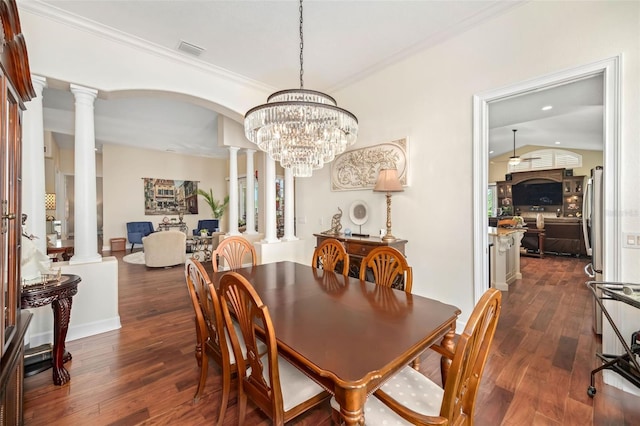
x=592 y=227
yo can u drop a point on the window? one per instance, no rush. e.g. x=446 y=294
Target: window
x=544 y=159
x=492 y=200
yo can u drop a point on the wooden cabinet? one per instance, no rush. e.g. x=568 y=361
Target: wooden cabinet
x=572 y=194
x=505 y=197
x=358 y=247
x=15 y=89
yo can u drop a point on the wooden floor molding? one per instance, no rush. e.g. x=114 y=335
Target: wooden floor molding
x=146 y=374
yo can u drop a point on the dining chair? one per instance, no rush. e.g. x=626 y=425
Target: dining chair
x=234 y=251
x=278 y=388
x=328 y=255
x=211 y=333
x=389 y=266
x=410 y=398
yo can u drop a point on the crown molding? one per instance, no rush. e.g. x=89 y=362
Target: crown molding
x=48 y=11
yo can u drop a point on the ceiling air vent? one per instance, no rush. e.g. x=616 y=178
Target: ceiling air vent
x=189 y=48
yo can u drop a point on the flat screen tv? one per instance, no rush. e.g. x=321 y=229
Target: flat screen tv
x=537 y=194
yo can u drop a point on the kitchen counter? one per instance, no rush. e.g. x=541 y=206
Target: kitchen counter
x=505 y=256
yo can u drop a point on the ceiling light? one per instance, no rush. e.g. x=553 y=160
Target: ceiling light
x=514 y=161
x=557 y=142
x=547 y=107
x=303 y=129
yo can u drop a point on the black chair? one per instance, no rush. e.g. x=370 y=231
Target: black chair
x=209 y=224
x=136 y=231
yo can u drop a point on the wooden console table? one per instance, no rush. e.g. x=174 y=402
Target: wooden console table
x=535 y=236
x=59 y=295
x=358 y=247
x=60 y=247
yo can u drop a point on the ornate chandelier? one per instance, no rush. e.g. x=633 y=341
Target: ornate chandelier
x=302 y=129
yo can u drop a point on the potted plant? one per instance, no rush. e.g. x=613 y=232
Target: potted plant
x=217 y=207
x=204 y=232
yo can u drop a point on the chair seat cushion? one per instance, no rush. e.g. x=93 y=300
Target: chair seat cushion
x=411 y=389
x=262 y=347
x=296 y=386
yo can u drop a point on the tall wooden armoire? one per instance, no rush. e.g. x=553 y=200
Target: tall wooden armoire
x=15 y=89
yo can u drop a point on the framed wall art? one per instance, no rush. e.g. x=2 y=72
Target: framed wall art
x=358 y=169
x=168 y=196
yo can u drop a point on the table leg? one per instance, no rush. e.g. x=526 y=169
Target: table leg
x=351 y=405
x=61 y=313
x=449 y=344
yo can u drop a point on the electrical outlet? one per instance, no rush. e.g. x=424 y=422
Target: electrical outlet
x=631 y=240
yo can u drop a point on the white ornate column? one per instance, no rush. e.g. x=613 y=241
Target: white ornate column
x=233 y=191
x=85 y=214
x=289 y=207
x=33 y=179
x=270 y=232
x=518 y=242
x=250 y=202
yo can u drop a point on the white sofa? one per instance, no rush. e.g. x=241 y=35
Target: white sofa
x=165 y=248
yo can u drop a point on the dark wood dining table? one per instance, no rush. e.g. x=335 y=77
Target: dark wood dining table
x=348 y=335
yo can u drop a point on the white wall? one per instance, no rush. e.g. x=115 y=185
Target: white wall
x=428 y=98
x=123 y=194
x=94 y=309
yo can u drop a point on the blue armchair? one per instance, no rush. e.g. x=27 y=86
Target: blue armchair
x=138 y=230
x=209 y=224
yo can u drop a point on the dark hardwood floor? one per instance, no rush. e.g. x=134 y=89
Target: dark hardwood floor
x=146 y=373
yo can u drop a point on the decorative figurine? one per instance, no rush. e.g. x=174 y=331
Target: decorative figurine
x=34 y=263
x=336 y=226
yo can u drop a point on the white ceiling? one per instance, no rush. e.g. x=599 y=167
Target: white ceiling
x=343 y=42
x=575 y=120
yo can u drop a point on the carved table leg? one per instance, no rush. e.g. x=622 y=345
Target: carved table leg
x=351 y=405
x=61 y=313
x=447 y=343
x=416 y=363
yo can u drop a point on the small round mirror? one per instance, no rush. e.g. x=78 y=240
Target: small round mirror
x=359 y=212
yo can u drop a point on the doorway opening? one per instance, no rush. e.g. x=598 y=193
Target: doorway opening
x=610 y=69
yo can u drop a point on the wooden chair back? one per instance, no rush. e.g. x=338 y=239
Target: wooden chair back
x=233 y=251
x=389 y=266
x=472 y=350
x=328 y=254
x=210 y=329
x=239 y=300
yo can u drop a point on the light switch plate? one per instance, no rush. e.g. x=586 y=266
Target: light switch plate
x=631 y=240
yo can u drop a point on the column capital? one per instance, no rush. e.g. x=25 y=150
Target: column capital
x=250 y=151
x=83 y=92
x=39 y=83
x=233 y=149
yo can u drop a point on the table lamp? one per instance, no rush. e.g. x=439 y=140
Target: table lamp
x=388 y=182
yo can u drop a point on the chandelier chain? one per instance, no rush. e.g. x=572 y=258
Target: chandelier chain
x=302 y=129
x=301 y=50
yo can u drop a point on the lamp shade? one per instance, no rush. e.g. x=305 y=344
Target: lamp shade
x=388 y=181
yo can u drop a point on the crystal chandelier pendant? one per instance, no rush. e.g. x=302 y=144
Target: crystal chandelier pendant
x=302 y=129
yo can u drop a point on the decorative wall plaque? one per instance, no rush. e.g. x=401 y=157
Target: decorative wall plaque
x=358 y=169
